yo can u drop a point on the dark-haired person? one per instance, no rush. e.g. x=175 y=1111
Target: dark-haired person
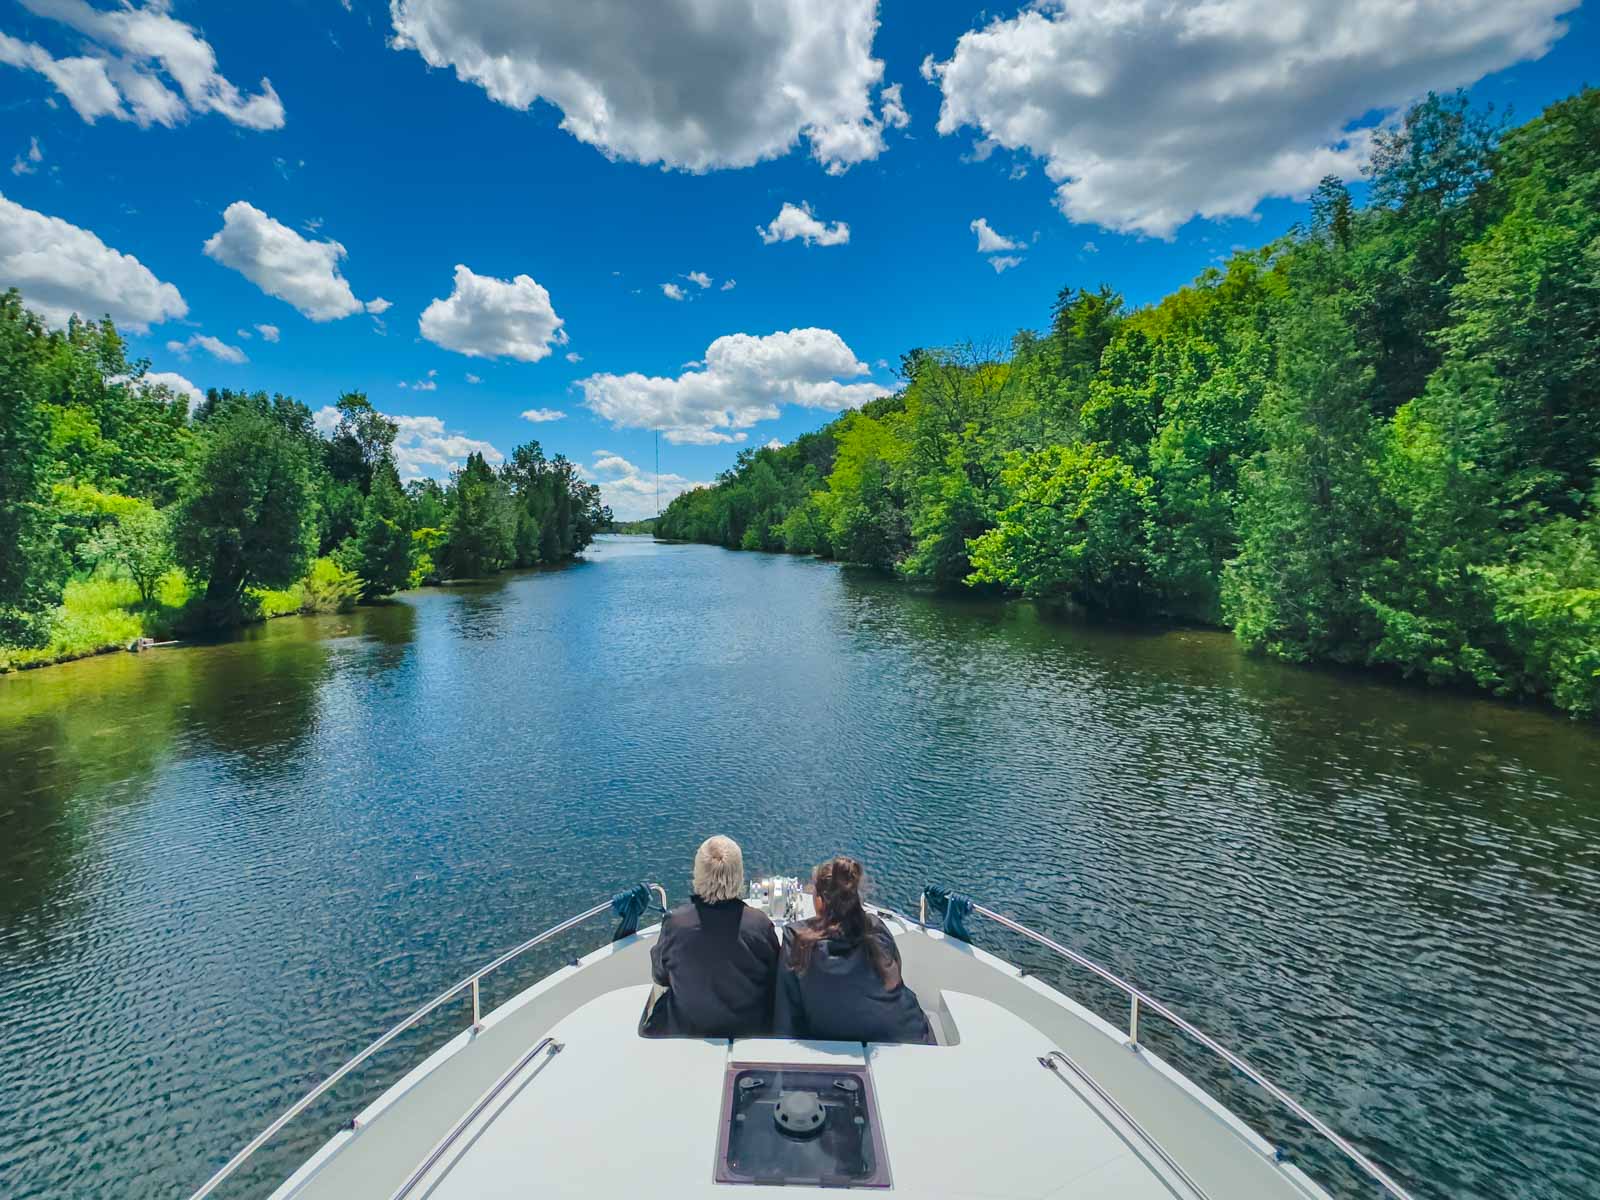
x=716 y=956
x=840 y=975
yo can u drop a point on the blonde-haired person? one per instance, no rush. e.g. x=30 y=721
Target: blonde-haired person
x=716 y=956
x=839 y=980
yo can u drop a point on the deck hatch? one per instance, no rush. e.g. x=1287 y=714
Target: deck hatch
x=799 y=1123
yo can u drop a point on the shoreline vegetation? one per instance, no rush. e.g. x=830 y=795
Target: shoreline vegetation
x=1374 y=442
x=125 y=515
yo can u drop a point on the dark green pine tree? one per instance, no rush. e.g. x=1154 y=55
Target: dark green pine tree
x=381 y=548
x=1309 y=521
x=481 y=536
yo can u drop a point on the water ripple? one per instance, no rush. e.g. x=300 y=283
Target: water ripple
x=224 y=868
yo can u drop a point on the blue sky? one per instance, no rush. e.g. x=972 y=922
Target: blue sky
x=1153 y=116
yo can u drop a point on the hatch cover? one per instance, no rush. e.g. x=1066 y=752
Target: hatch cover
x=793 y=1123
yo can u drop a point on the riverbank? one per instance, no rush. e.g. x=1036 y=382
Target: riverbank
x=105 y=615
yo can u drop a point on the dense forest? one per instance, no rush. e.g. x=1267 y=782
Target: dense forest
x=123 y=514
x=1371 y=442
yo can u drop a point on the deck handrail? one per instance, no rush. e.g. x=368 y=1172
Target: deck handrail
x=470 y=982
x=1139 y=997
x=1109 y=1102
x=472 y=1114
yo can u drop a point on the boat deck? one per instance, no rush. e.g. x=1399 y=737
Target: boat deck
x=613 y=1113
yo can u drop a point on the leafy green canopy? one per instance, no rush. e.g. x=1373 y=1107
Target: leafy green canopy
x=1374 y=441
x=238 y=510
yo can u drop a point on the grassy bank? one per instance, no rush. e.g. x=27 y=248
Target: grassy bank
x=103 y=613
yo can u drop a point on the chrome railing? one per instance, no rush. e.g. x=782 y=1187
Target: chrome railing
x=1140 y=999
x=472 y=1114
x=470 y=983
x=1056 y=1059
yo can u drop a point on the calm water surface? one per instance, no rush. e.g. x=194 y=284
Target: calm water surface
x=224 y=868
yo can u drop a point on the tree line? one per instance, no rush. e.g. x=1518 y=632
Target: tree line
x=1374 y=441
x=123 y=511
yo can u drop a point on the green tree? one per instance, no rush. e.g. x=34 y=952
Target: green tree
x=864 y=509
x=138 y=542
x=245 y=518
x=1547 y=599
x=1527 y=310
x=1308 y=518
x=381 y=548
x=361 y=443
x=1074 y=531
x=1406 y=260
x=32 y=568
x=481 y=531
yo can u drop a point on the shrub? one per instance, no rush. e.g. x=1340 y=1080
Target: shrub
x=329 y=588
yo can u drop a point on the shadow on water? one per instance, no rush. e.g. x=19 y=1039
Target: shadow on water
x=1387 y=896
x=86 y=738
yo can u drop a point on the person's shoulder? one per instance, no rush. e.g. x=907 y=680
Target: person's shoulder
x=879 y=931
x=754 y=919
x=794 y=930
x=681 y=914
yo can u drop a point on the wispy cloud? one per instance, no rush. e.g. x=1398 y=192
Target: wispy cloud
x=27 y=163
x=216 y=347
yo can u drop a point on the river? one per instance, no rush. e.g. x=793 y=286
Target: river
x=224 y=868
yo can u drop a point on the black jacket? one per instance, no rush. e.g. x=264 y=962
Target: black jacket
x=717 y=962
x=841 y=997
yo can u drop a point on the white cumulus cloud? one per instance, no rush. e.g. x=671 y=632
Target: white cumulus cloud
x=1004 y=262
x=699 y=278
x=216 y=347
x=630 y=491
x=425 y=447
x=283 y=264
x=484 y=317
x=728 y=285
x=744 y=379
x=1148 y=113
x=269 y=333
x=540 y=415
x=61 y=269
x=695 y=84
x=139 y=64
x=574 y=357
x=796 y=222
x=989 y=241
x=672 y=291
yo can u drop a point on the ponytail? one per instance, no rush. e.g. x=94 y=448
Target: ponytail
x=837 y=884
